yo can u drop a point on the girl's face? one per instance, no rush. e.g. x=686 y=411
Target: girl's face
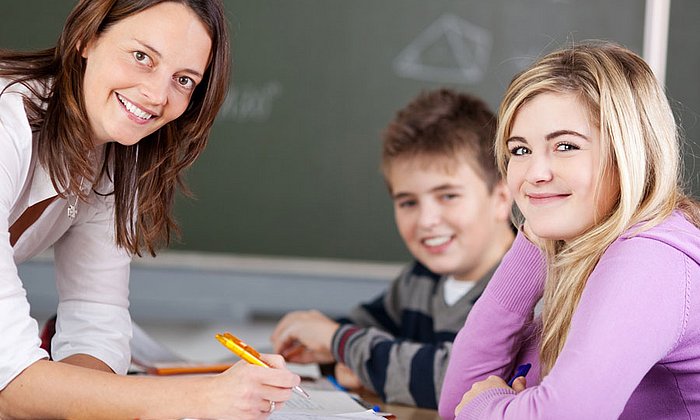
x=553 y=170
x=141 y=72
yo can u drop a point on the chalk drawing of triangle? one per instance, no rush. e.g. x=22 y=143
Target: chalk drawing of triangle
x=468 y=45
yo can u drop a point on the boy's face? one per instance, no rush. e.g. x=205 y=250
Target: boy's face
x=446 y=215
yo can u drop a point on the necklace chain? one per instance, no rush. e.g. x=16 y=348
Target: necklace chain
x=72 y=211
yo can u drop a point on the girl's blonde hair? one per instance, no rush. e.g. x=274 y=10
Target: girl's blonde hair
x=639 y=147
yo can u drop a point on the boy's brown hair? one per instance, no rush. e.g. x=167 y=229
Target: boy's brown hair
x=444 y=123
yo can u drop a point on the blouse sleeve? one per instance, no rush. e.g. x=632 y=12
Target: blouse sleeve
x=92 y=276
x=638 y=290
x=19 y=342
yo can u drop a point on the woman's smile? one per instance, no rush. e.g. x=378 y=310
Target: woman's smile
x=135 y=112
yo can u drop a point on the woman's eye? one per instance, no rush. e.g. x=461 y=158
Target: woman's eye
x=407 y=204
x=141 y=57
x=519 y=151
x=185 y=82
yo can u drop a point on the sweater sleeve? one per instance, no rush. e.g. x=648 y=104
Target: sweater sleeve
x=399 y=370
x=496 y=327
x=638 y=290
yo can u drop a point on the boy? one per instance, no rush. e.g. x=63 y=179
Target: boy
x=452 y=211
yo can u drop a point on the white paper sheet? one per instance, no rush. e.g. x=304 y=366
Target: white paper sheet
x=323 y=404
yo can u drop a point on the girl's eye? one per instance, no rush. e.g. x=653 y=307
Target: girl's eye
x=519 y=151
x=185 y=82
x=565 y=147
x=448 y=197
x=406 y=204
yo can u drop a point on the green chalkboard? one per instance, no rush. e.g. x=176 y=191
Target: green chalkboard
x=292 y=165
x=683 y=82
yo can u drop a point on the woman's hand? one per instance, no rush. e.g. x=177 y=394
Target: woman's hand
x=304 y=337
x=491 y=382
x=246 y=391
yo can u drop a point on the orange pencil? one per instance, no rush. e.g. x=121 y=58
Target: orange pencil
x=248 y=353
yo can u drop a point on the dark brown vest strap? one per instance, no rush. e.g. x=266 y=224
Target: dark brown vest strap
x=28 y=218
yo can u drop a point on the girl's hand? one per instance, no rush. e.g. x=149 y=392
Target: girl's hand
x=245 y=391
x=491 y=382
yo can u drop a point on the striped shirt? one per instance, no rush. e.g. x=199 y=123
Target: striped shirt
x=399 y=344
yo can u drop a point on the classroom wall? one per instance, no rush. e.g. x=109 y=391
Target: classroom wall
x=292 y=166
x=192 y=288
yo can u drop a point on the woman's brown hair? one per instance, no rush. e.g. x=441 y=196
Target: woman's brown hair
x=144 y=175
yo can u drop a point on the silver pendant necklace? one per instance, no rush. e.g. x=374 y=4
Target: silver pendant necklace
x=73 y=207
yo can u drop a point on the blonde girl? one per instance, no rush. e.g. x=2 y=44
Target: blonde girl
x=590 y=150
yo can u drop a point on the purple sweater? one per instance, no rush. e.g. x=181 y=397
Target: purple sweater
x=633 y=350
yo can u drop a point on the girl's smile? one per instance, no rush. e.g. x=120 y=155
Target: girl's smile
x=542 y=199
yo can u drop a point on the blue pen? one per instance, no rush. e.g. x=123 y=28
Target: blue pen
x=521 y=371
x=335 y=383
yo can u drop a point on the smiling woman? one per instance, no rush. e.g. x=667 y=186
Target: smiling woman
x=94 y=134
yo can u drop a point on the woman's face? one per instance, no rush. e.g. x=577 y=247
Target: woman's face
x=555 y=154
x=141 y=72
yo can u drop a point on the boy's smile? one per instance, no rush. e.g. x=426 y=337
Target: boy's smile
x=438 y=242
x=446 y=215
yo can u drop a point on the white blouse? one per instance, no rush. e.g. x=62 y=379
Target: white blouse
x=92 y=273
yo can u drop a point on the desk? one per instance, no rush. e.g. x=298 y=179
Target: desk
x=402 y=412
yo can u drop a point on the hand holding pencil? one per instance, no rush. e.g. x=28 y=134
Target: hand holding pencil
x=249 y=354
x=244 y=391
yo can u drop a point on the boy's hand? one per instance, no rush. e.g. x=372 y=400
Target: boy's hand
x=304 y=337
x=346 y=377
